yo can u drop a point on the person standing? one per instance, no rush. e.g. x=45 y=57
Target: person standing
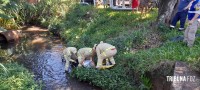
x=181 y=14
x=193 y=17
x=135 y=4
x=104 y=3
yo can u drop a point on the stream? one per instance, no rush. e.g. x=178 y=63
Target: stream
x=41 y=53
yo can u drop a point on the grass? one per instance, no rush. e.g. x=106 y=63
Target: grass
x=15 y=13
x=126 y=31
x=3 y=68
x=17 y=78
x=82 y=29
x=83 y=26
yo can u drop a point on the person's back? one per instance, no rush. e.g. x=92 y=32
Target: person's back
x=69 y=50
x=104 y=51
x=85 y=52
x=104 y=46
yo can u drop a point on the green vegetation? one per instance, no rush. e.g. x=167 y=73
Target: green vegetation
x=15 y=13
x=3 y=68
x=85 y=26
x=17 y=78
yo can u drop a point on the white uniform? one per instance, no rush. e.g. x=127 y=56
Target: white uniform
x=105 y=51
x=67 y=52
x=84 y=53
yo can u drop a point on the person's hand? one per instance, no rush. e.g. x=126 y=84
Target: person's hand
x=82 y=62
x=185 y=8
x=79 y=65
x=190 y=22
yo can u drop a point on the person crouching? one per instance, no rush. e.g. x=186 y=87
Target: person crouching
x=69 y=56
x=83 y=54
x=104 y=51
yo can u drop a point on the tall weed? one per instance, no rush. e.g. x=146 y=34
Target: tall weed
x=42 y=13
x=4 y=68
x=18 y=78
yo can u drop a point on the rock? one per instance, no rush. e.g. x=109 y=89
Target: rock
x=159 y=73
x=190 y=79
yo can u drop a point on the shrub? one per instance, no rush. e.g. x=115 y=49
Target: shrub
x=42 y=13
x=7 y=22
x=125 y=32
x=18 y=78
x=115 y=27
x=127 y=41
x=107 y=79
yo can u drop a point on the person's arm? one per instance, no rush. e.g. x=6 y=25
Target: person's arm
x=189 y=5
x=72 y=60
x=98 y=51
x=65 y=53
x=82 y=60
x=194 y=18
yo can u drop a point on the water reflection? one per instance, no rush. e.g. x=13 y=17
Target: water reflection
x=41 y=54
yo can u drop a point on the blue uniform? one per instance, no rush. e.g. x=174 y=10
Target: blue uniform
x=183 y=4
x=192 y=8
x=181 y=14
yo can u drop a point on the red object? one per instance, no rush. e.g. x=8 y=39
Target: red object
x=135 y=3
x=113 y=48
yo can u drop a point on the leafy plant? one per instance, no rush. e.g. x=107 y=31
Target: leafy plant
x=7 y=22
x=146 y=83
x=45 y=12
x=115 y=27
x=125 y=31
x=18 y=78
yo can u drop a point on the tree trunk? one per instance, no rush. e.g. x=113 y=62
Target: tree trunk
x=166 y=11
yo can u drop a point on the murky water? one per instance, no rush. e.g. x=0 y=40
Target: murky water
x=41 y=53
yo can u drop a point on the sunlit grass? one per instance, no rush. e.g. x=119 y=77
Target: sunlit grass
x=125 y=30
x=100 y=7
x=111 y=14
x=172 y=51
x=18 y=78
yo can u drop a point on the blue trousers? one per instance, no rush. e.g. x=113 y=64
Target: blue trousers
x=180 y=16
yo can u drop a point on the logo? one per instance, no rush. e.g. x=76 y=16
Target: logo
x=181 y=79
